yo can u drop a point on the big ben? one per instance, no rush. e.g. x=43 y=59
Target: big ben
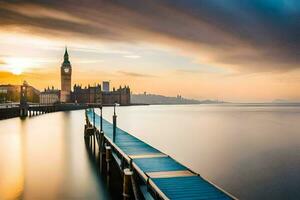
x=66 y=74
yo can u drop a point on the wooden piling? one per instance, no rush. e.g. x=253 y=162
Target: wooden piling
x=114 y=126
x=108 y=160
x=101 y=142
x=127 y=183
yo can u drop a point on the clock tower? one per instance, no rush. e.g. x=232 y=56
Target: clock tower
x=65 y=74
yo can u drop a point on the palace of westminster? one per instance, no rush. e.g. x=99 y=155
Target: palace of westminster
x=90 y=94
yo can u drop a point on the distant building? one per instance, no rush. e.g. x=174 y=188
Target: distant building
x=33 y=95
x=66 y=76
x=120 y=96
x=105 y=86
x=11 y=93
x=87 y=94
x=94 y=94
x=50 y=96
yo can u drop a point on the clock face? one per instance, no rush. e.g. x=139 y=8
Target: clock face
x=66 y=70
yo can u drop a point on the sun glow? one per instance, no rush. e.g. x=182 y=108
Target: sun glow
x=17 y=71
x=17 y=65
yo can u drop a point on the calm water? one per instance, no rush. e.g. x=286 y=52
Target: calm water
x=44 y=157
x=252 y=152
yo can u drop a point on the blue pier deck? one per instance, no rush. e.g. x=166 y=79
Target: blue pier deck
x=170 y=179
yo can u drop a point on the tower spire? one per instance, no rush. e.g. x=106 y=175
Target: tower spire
x=66 y=56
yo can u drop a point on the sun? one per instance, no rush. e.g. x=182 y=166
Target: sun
x=16 y=71
x=17 y=65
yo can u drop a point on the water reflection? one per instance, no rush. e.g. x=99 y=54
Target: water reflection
x=44 y=157
x=12 y=162
x=252 y=152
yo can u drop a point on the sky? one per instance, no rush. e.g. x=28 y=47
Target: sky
x=237 y=50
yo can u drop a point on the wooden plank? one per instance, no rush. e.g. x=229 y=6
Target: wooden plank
x=117 y=148
x=140 y=172
x=148 y=155
x=159 y=192
x=169 y=174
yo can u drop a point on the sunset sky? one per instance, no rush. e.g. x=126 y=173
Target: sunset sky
x=238 y=50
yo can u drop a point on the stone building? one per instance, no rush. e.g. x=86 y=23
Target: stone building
x=94 y=94
x=120 y=96
x=90 y=94
x=50 y=96
x=11 y=93
x=66 y=78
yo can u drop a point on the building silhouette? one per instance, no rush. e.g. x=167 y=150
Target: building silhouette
x=95 y=94
x=88 y=94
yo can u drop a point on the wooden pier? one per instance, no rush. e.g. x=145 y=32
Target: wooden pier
x=146 y=173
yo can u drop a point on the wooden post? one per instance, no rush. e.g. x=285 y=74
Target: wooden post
x=101 y=142
x=94 y=130
x=108 y=159
x=114 y=123
x=93 y=142
x=85 y=126
x=94 y=119
x=127 y=183
x=101 y=125
x=86 y=118
x=94 y=126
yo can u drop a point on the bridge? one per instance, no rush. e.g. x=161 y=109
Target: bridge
x=27 y=109
x=31 y=109
x=140 y=170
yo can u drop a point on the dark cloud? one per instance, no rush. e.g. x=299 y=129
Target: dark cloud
x=133 y=74
x=250 y=35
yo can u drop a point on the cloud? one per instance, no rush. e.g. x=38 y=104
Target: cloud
x=132 y=56
x=2 y=62
x=249 y=36
x=133 y=74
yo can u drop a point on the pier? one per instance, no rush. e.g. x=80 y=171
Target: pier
x=24 y=108
x=30 y=110
x=142 y=171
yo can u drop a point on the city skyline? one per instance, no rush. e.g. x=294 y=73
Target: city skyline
x=243 y=52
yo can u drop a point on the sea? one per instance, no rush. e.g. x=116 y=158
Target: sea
x=250 y=150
